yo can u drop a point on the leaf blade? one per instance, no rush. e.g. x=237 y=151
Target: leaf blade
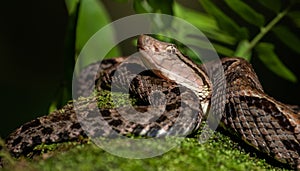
x=206 y=23
x=71 y=5
x=223 y=50
x=295 y=17
x=246 y=12
x=153 y=6
x=224 y=22
x=92 y=18
x=267 y=55
x=243 y=50
x=287 y=37
x=273 y=5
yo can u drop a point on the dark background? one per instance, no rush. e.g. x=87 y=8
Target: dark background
x=32 y=37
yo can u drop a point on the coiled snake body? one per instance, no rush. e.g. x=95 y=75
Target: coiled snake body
x=259 y=120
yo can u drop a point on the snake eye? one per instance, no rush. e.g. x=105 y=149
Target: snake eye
x=171 y=49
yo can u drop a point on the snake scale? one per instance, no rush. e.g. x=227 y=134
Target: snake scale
x=271 y=127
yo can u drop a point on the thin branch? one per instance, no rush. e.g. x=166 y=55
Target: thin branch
x=266 y=29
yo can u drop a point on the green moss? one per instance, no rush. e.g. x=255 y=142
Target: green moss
x=107 y=99
x=58 y=147
x=5 y=157
x=218 y=153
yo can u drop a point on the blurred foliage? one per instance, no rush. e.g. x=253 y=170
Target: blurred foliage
x=92 y=16
x=153 y=6
x=86 y=17
x=234 y=27
x=238 y=28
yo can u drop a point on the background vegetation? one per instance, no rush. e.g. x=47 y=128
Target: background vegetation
x=235 y=28
x=40 y=42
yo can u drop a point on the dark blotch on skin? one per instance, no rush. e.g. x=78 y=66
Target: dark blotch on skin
x=138 y=129
x=47 y=130
x=115 y=122
x=154 y=130
x=176 y=91
x=291 y=145
x=31 y=124
x=230 y=109
x=103 y=113
x=171 y=106
x=48 y=141
x=25 y=149
x=17 y=141
x=76 y=126
x=61 y=118
x=64 y=136
x=162 y=118
x=24 y=146
x=37 y=140
x=227 y=64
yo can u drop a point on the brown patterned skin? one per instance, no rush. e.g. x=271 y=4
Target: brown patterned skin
x=264 y=123
x=257 y=119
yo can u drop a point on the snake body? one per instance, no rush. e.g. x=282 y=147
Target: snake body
x=269 y=126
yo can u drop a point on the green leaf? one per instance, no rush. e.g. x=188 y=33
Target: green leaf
x=295 y=16
x=62 y=97
x=142 y=6
x=85 y=18
x=273 y=5
x=287 y=37
x=64 y=91
x=52 y=107
x=223 y=50
x=165 y=6
x=71 y=5
x=246 y=12
x=197 y=18
x=243 y=50
x=224 y=22
x=267 y=55
x=220 y=37
x=92 y=17
x=122 y=1
x=206 y=23
x=153 y=6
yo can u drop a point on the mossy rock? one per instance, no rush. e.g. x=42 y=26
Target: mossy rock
x=218 y=153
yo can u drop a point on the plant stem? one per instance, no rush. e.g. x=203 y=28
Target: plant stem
x=266 y=29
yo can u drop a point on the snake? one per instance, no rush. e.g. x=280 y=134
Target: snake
x=167 y=86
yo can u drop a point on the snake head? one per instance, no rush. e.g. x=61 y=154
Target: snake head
x=152 y=46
